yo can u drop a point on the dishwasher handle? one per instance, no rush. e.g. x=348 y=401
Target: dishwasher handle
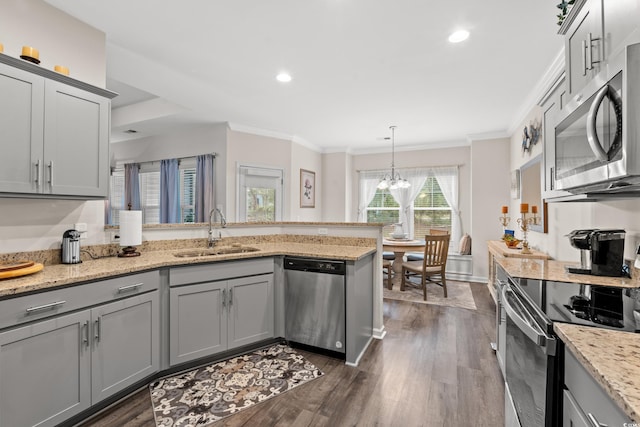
x=315 y=265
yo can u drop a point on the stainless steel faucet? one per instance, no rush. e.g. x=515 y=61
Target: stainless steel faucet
x=223 y=223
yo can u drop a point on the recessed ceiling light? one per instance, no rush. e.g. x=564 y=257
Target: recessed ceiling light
x=459 y=36
x=283 y=77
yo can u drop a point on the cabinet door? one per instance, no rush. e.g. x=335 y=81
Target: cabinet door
x=584 y=59
x=76 y=142
x=21 y=121
x=551 y=111
x=44 y=371
x=250 y=310
x=126 y=343
x=572 y=416
x=197 y=321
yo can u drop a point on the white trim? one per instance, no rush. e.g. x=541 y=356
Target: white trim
x=419 y=147
x=354 y=364
x=548 y=79
x=488 y=135
x=379 y=333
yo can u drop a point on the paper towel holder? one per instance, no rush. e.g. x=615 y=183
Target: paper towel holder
x=130 y=232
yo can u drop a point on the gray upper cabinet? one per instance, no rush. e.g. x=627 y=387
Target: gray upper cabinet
x=551 y=108
x=584 y=44
x=76 y=142
x=596 y=31
x=55 y=134
x=21 y=121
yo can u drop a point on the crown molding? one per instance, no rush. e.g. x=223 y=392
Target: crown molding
x=539 y=91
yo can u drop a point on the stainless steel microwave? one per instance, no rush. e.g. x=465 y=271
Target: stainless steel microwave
x=597 y=140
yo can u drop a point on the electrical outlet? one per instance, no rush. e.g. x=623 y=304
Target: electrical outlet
x=114 y=237
x=323 y=231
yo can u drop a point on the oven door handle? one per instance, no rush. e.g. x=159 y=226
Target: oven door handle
x=538 y=336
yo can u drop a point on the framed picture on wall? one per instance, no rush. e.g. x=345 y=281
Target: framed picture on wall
x=307 y=189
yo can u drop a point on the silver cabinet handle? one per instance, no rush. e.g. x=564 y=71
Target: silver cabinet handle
x=49 y=306
x=584 y=57
x=230 y=297
x=85 y=334
x=224 y=297
x=50 y=172
x=129 y=287
x=37 y=180
x=96 y=329
x=590 y=60
x=594 y=421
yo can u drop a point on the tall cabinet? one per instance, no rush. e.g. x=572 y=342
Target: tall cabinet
x=55 y=133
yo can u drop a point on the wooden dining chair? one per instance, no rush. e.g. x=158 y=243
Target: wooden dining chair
x=433 y=264
x=415 y=256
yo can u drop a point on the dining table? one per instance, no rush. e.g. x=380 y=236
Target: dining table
x=399 y=247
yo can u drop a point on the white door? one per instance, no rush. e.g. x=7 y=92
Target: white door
x=260 y=194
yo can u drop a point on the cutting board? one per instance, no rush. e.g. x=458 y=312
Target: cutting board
x=29 y=267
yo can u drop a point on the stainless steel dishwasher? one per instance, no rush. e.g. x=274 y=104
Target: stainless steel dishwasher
x=315 y=303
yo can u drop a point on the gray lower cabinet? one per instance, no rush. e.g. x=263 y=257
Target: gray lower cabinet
x=45 y=371
x=207 y=318
x=65 y=350
x=124 y=343
x=198 y=321
x=585 y=403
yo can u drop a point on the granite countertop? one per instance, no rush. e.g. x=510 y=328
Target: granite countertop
x=65 y=274
x=551 y=270
x=499 y=248
x=612 y=358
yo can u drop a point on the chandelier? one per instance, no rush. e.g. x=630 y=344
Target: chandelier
x=394 y=180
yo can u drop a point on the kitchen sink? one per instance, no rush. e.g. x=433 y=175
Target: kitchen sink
x=222 y=250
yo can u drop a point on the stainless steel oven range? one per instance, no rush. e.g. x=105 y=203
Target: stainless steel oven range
x=533 y=353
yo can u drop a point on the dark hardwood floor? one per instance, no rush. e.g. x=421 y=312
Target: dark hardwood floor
x=435 y=367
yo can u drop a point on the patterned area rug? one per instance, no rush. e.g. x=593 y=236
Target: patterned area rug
x=204 y=395
x=458 y=294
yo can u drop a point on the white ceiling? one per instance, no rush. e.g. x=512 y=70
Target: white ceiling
x=358 y=66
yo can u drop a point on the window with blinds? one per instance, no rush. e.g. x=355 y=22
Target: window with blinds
x=430 y=209
x=149 y=177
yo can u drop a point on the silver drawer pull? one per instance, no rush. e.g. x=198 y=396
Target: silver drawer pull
x=45 y=306
x=129 y=287
x=594 y=421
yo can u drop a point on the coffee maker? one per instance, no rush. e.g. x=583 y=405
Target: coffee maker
x=601 y=252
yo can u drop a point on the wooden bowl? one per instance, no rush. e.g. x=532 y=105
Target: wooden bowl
x=512 y=244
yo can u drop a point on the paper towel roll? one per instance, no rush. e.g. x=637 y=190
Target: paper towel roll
x=130 y=228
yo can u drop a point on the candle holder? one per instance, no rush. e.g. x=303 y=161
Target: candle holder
x=504 y=221
x=525 y=222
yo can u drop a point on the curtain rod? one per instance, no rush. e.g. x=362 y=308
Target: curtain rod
x=406 y=168
x=124 y=162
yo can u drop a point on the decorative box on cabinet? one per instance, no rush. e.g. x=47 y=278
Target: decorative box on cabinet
x=56 y=361
x=48 y=122
x=214 y=308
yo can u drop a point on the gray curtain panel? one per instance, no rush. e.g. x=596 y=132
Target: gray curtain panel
x=204 y=187
x=132 y=186
x=169 y=191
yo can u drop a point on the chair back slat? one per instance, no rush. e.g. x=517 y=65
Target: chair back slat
x=436 y=249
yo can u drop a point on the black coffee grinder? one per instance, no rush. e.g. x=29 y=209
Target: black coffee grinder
x=601 y=252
